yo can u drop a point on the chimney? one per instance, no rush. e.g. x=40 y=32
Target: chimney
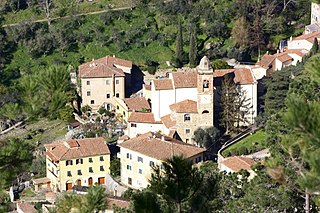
x=162 y=138
x=267 y=52
x=277 y=51
x=114 y=56
x=290 y=38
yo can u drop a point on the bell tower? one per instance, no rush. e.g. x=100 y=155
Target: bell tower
x=205 y=93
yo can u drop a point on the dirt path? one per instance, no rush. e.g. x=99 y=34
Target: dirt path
x=66 y=17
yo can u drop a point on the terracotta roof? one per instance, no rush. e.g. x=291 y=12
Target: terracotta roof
x=142 y=117
x=186 y=106
x=236 y=163
x=149 y=145
x=167 y=121
x=137 y=104
x=147 y=86
x=41 y=180
x=185 y=79
x=77 y=148
x=27 y=208
x=163 y=84
x=99 y=70
x=266 y=61
x=243 y=76
x=103 y=67
x=221 y=73
x=298 y=52
x=283 y=57
x=309 y=37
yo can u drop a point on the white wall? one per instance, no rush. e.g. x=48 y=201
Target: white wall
x=139 y=181
x=299 y=44
x=296 y=58
x=315 y=13
x=143 y=128
x=182 y=94
x=160 y=102
x=259 y=72
x=251 y=93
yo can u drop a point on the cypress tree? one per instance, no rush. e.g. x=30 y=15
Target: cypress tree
x=179 y=46
x=315 y=47
x=193 y=48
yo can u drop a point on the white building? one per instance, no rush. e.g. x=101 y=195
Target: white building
x=303 y=42
x=315 y=19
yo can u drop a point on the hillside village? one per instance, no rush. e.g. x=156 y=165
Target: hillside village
x=148 y=121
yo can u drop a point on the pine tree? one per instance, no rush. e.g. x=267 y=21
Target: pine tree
x=193 y=47
x=179 y=46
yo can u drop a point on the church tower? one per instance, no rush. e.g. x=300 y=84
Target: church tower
x=205 y=93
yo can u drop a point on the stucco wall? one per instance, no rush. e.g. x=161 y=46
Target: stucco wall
x=299 y=44
x=164 y=98
x=315 y=13
x=143 y=128
x=182 y=94
x=250 y=92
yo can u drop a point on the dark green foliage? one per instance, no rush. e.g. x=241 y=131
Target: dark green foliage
x=15 y=158
x=178 y=182
x=193 y=47
x=145 y=202
x=206 y=137
x=220 y=64
x=115 y=167
x=278 y=87
x=179 y=47
x=315 y=47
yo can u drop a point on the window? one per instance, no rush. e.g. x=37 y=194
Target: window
x=101 y=158
x=92 y=102
x=129 y=167
x=101 y=168
x=68 y=162
x=161 y=166
x=117 y=95
x=69 y=173
x=88 y=93
x=52 y=169
x=79 y=161
x=107 y=82
x=117 y=81
x=130 y=181
x=117 y=107
x=198 y=159
x=140 y=171
x=205 y=84
x=124 y=113
x=187 y=131
x=90 y=170
x=90 y=160
x=88 y=82
x=151 y=164
x=48 y=164
x=205 y=112
x=79 y=172
x=129 y=156
x=133 y=125
x=108 y=95
x=187 y=117
x=140 y=159
x=187 y=140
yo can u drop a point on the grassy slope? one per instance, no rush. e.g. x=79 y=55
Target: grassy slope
x=246 y=145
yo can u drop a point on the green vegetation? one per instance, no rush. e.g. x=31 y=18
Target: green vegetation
x=28 y=193
x=248 y=145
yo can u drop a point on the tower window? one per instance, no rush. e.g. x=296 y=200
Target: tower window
x=205 y=84
x=187 y=117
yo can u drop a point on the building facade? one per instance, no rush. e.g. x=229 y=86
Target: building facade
x=77 y=162
x=102 y=80
x=139 y=155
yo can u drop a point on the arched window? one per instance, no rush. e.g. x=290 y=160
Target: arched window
x=205 y=112
x=187 y=117
x=205 y=84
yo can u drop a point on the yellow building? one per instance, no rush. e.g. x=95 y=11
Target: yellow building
x=102 y=80
x=138 y=156
x=81 y=162
x=125 y=107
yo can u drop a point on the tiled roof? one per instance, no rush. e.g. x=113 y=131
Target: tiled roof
x=77 y=148
x=309 y=37
x=99 y=70
x=160 y=149
x=167 y=121
x=142 y=117
x=41 y=180
x=236 y=163
x=163 y=84
x=137 y=104
x=266 y=61
x=27 y=208
x=186 y=106
x=283 y=57
x=241 y=75
x=103 y=67
x=185 y=79
x=298 y=52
